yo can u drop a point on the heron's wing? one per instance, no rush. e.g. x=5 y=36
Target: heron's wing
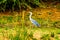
x=34 y=22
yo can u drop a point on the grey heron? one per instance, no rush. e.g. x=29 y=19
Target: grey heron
x=33 y=21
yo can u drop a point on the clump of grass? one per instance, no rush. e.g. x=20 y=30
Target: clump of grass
x=50 y=13
x=18 y=18
x=31 y=35
x=6 y=27
x=25 y=35
x=58 y=32
x=34 y=39
x=52 y=34
x=56 y=24
x=57 y=38
x=46 y=23
x=9 y=19
x=16 y=37
x=45 y=37
x=11 y=36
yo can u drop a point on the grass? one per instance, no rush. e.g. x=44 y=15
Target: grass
x=14 y=28
x=18 y=33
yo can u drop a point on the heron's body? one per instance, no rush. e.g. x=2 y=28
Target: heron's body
x=33 y=21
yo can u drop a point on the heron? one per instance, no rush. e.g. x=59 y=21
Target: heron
x=33 y=21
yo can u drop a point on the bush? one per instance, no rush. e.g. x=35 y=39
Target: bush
x=21 y=4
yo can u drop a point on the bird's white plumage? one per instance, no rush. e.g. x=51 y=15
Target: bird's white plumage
x=33 y=21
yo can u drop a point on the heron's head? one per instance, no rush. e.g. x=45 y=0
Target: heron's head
x=30 y=13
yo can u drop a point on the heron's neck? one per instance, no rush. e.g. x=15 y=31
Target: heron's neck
x=30 y=16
